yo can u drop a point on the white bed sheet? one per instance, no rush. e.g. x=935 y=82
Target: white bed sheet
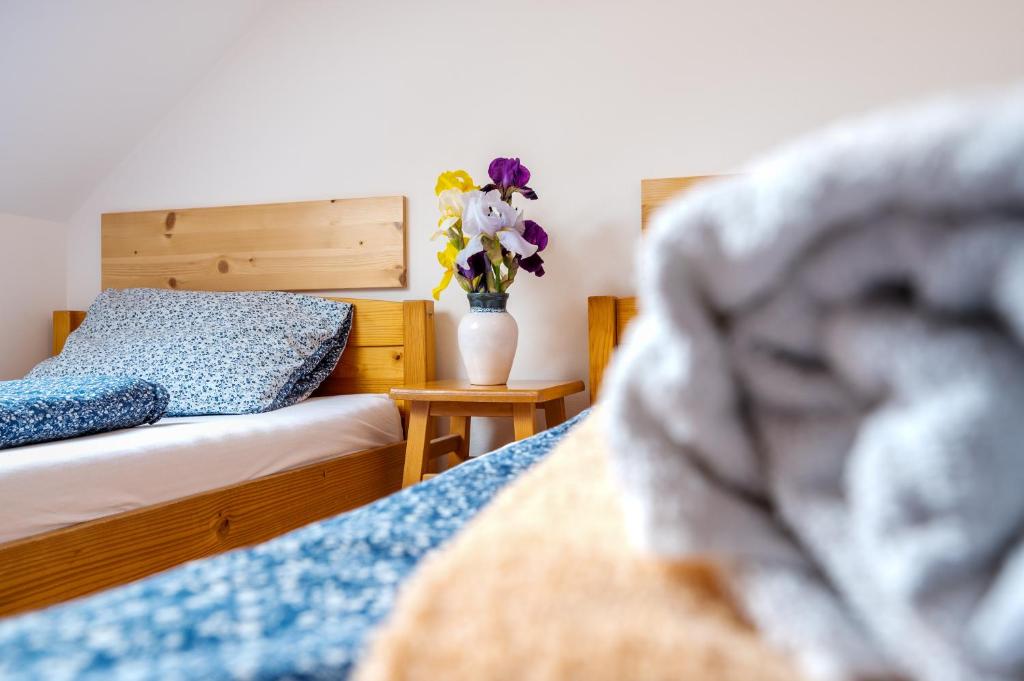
x=47 y=486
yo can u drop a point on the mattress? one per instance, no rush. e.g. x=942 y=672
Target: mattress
x=47 y=486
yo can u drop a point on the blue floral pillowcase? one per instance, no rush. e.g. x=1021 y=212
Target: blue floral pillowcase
x=216 y=353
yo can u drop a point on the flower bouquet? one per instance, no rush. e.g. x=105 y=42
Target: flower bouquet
x=487 y=243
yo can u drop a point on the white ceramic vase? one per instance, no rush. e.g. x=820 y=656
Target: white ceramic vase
x=488 y=335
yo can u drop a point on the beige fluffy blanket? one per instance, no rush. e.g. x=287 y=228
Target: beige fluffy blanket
x=543 y=585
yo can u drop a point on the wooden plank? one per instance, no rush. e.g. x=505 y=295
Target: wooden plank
x=418 y=322
x=385 y=363
x=419 y=339
x=366 y=370
x=464 y=391
x=554 y=413
x=655 y=193
x=602 y=337
x=446 y=444
x=524 y=420
x=64 y=322
x=376 y=322
x=625 y=311
x=470 y=409
x=309 y=245
x=81 y=559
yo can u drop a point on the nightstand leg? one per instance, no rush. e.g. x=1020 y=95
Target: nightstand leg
x=524 y=420
x=460 y=427
x=554 y=412
x=416 y=445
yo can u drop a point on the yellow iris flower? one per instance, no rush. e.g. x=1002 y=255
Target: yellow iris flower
x=447 y=260
x=454 y=179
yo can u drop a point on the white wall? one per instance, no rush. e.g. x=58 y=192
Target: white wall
x=83 y=81
x=32 y=265
x=325 y=99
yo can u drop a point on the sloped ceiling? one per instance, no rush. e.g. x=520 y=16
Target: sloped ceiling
x=83 y=81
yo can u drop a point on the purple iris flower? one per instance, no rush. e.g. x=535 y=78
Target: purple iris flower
x=510 y=176
x=477 y=266
x=534 y=234
x=508 y=172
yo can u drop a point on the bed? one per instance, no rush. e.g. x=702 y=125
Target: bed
x=301 y=606
x=101 y=475
x=127 y=515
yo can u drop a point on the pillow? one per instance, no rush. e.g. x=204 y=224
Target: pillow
x=216 y=353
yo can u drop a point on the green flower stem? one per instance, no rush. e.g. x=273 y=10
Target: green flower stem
x=491 y=286
x=497 y=278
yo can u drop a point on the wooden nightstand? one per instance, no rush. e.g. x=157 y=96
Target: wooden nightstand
x=461 y=400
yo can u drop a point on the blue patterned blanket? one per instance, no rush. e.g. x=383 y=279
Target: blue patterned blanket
x=43 y=409
x=297 y=607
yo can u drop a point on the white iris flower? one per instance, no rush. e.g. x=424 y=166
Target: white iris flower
x=485 y=214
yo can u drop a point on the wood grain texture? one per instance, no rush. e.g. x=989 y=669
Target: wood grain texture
x=418 y=316
x=602 y=337
x=554 y=413
x=607 y=319
x=625 y=310
x=489 y=409
x=366 y=370
x=415 y=464
x=376 y=322
x=64 y=322
x=303 y=246
x=75 y=561
x=524 y=420
x=374 y=360
x=446 y=444
x=522 y=392
x=419 y=362
x=655 y=193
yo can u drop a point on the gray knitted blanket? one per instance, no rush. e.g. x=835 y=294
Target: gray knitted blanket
x=825 y=390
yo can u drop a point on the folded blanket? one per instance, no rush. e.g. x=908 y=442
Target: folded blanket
x=542 y=585
x=825 y=390
x=43 y=409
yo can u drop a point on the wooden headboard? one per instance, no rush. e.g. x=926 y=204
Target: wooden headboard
x=657 y=192
x=306 y=246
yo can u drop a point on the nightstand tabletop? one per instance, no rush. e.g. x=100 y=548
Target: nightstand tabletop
x=515 y=392
x=460 y=401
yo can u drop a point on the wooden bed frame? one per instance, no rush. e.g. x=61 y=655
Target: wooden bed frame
x=244 y=248
x=607 y=317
